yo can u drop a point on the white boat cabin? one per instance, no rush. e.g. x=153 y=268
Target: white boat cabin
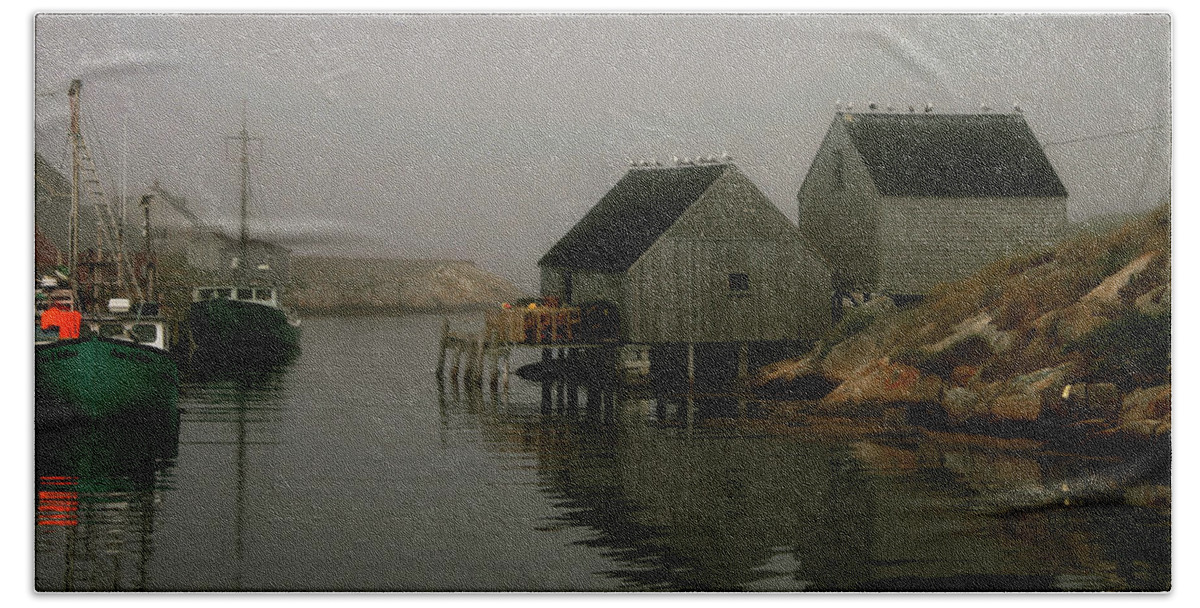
x=266 y=296
x=117 y=323
x=147 y=332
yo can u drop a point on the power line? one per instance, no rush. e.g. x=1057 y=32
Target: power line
x=1103 y=135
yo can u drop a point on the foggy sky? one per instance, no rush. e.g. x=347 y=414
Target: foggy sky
x=488 y=137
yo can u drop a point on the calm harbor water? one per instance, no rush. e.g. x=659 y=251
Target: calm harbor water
x=349 y=470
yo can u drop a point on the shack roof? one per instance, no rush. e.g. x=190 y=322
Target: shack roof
x=631 y=217
x=952 y=155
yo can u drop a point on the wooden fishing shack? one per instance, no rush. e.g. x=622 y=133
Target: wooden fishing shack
x=898 y=203
x=691 y=254
x=669 y=259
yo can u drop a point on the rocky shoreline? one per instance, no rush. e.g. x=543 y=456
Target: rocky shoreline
x=1069 y=345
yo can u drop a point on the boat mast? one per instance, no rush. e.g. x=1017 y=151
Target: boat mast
x=243 y=139
x=76 y=153
x=148 y=248
x=121 y=209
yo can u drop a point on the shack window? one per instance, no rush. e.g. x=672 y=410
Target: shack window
x=739 y=282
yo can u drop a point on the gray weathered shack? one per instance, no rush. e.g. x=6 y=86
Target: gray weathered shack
x=898 y=203
x=689 y=254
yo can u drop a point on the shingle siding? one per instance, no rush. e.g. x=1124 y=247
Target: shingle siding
x=926 y=241
x=839 y=215
x=678 y=289
x=881 y=228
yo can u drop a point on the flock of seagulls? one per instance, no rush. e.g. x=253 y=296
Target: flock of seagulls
x=874 y=107
x=685 y=161
x=849 y=107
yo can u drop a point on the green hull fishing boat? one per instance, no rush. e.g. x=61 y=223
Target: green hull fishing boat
x=98 y=362
x=119 y=368
x=241 y=324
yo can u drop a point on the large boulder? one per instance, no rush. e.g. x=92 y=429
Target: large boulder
x=795 y=378
x=1084 y=401
x=1021 y=399
x=962 y=404
x=882 y=381
x=1097 y=307
x=1146 y=412
x=971 y=344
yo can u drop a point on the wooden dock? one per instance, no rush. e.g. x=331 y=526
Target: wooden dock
x=535 y=326
x=476 y=356
x=566 y=335
x=471 y=354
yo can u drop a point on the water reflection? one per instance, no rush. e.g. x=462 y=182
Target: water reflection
x=713 y=492
x=231 y=409
x=350 y=471
x=98 y=489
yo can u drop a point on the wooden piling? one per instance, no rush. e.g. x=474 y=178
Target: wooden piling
x=456 y=350
x=691 y=366
x=691 y=412
x=494 y=378
x=493 y=356
x=573 y=397
x=478 y=355
x=468 y=362
x=441 y=364
x=507 y=357
x=743 y=369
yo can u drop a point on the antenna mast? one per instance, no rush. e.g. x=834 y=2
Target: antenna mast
x=244 y=139
x=76 y=143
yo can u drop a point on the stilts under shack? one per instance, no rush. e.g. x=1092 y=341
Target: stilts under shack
x=566 y=343
x=479 y=359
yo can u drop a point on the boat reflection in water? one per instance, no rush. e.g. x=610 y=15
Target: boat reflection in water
x=98 y=488
x=722 y=492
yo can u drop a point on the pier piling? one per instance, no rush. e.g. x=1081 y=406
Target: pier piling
x=691 y=367
x=743 y=368
x=441 y=364
x=454 y=369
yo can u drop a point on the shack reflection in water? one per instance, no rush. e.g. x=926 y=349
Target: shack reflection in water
x=712 y=493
